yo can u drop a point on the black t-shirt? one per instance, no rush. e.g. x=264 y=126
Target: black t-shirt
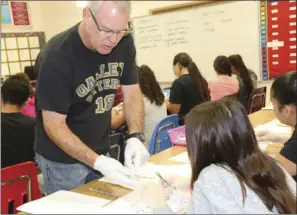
x=289 y=150
x=184 y=91
x=81 y=84
x=17 y=139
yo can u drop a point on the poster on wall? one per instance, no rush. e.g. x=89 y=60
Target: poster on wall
x=5 y=13
x=20 y=13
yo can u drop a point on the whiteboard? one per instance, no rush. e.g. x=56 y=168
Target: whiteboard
x=204 y=33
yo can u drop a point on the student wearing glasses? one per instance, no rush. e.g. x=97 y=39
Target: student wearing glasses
x=78 y=74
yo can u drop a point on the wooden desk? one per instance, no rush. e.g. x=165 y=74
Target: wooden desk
x=261 y=117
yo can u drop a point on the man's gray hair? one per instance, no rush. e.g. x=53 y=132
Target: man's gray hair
x=125 y=6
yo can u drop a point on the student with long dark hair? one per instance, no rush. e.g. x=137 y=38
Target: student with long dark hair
x=189 y=89
x=153 y=99
x=283 y=96
x=223 y=85
x=243 y=74
x=230 y=174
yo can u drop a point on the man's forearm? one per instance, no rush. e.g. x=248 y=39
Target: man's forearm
x=71 y=144
x=134 y=111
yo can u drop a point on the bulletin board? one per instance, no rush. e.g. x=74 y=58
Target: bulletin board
x=278 y=38
x=19 y=50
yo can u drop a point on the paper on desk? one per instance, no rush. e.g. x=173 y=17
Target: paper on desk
x=182 y=158
x=64 y=202
x=263 y=146
x=122 y=206
x=148 y=173
x=273 y=132
x=268 y=107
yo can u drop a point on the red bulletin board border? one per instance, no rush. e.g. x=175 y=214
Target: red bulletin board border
x=278 y=38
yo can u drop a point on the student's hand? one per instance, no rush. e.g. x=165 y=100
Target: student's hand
x=166 y=102
x=120 y=107
x=114 y=171
x=135 y=154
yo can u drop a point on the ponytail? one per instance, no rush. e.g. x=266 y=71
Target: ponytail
x=200 y=81
x=239 y=65
x=184 y=60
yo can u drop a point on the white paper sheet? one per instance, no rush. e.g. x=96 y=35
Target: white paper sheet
x=273 y=132
x=268 y=107
x=181 y=158
x=64 y=202
x=263 y=146
x=148 y=173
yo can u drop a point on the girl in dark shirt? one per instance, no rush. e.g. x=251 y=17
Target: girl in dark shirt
x=189 y=89
x=283 y=96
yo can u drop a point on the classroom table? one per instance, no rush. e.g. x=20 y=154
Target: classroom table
x=257 y=118
x=260 y=117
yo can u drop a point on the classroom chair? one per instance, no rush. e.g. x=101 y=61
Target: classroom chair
x=234 y=96
x=116 y=146
x=256 y=100
x=18 y=185
x=160 y=139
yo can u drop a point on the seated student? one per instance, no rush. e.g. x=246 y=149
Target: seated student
x=30 y=72
x=283 y=96
x=246 y=84
x=237 y=63
x=17 y=130
x=29 y=107
x=189 y=89
x=153 y=99
x=229 y=172
x=223 y=85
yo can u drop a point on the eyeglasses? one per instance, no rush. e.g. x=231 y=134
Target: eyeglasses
x=109 y=33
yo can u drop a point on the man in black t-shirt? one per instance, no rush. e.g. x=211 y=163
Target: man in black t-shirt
x=78 y=73
x=17 y=130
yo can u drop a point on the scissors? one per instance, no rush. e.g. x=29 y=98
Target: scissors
x=165 y=182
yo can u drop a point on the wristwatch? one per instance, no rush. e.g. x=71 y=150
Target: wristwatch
x=139 y=135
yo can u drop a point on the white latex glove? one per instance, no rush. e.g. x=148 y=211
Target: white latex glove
x=135 y=154
x=114 y=171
